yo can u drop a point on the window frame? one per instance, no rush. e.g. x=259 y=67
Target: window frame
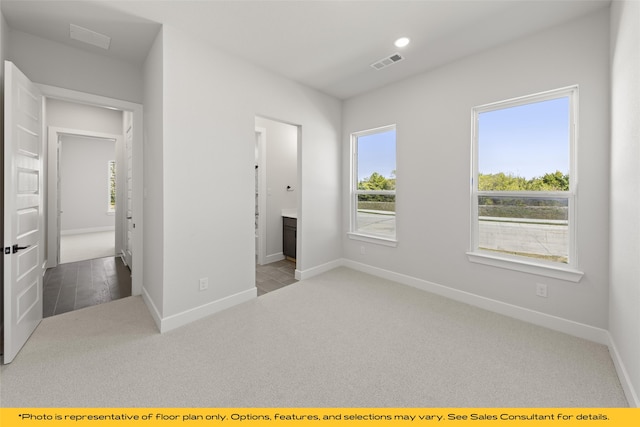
x=568 y=271
x=355 y=192
x=109 y=186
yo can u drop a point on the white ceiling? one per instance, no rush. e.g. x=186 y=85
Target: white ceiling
x=325 y=44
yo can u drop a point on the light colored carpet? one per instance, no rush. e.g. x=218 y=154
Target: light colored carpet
x=340 y=339
x=80 y=247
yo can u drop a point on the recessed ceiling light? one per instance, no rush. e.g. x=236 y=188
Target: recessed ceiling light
x=402 y=42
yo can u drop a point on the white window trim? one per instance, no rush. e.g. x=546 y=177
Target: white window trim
x=372 y=239
x=109 y=210
x=561 y=271
x=354 y=192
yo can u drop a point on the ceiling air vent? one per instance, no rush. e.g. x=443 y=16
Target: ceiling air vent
x=385 y=62
x=85 y=35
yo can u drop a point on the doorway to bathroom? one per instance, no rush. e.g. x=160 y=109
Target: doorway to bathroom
x=276 y=203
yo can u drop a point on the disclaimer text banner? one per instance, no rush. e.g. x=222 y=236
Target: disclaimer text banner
x=298 y=417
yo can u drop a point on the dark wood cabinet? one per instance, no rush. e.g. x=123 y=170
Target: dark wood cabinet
x=289 y=232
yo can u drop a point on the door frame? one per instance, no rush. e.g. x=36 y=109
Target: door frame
x=54 y=134
x=261 y=139
x=138 y=184
x=264 y=189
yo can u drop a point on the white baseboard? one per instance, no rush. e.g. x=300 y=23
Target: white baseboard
x=87 y=230
x=598 y=335
x=625 y=381
x=310 y=272
x=175 y=321
x=268 y=259
x=123 y=257
x=153 y=310
x=570 y=327
x=555 y=323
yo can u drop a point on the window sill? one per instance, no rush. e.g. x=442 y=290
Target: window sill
x=562 y=273
x=373 y=239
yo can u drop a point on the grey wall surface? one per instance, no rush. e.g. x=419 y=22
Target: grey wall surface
x=55 y=64
x=624 y=315
x=84 y=184
x=432 y=112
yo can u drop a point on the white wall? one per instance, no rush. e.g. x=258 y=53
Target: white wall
x=153 y=254
x=624 y=312
x=210 y=101
x=71 y=115
x=84 y=184
x=4 y=41
x=55 y=64
x=281 y=171
x=3 y=49
x=433 y=116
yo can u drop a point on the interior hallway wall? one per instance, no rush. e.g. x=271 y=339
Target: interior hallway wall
x=153 y=255
x=84 y=184
x=51 y=63
x=210 y=100
x=4 y=36
x=4 y=41
x=72 y=115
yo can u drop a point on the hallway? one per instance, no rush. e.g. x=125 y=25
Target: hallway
x=76 y=285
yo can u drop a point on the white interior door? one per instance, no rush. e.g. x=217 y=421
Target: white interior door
x=23 y=210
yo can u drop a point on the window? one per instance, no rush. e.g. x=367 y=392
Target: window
x=111 y=185
x=373 y=189
x=524 y=181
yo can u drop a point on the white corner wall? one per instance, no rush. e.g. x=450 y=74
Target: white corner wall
x=210 y=103
x=4 y=40
x=153 y=254
x=72 y=115
x=3 y=49
x=55 y=64
x=624 y=303
x=433 y=116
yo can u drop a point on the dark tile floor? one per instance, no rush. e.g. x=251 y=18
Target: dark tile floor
x=76 y=285
x=276 y=275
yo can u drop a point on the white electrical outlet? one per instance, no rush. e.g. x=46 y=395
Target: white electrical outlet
x=363 y=250
x=541 y=290
x=204 y=283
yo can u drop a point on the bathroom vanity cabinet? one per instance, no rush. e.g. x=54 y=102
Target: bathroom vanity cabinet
x=289 y=231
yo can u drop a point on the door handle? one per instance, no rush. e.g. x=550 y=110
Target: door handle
x=16 y=248
x=129 y=217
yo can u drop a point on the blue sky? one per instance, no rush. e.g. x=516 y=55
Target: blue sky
x=527 y=141
x=377 y=153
